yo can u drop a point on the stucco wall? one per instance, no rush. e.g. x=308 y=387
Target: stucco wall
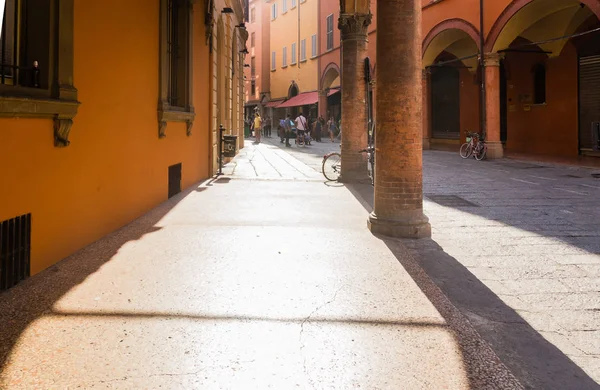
x=116 y=167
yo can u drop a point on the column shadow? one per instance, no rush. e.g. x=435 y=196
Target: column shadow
x=481 y=320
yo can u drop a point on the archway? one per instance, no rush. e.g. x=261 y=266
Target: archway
x=452 y=99
x=454 y=36
x=330 y=101
x=546 y=71
x=293 y=90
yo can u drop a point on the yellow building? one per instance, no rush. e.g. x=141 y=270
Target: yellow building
x=294 y=56
x=107 y=109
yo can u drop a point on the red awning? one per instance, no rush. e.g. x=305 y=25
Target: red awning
x=333 y=90
x=274 y=103
x=301 y=100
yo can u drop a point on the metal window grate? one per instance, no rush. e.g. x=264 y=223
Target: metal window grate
x=15 y=251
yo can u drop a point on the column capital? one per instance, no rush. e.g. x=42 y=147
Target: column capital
x=492 y=59
x=354 y=26
x=425 y=73
x=324 y=92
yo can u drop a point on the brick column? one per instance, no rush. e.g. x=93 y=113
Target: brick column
x=353 y=29
x=323 y=104
x=492 y=105
x=398 y=208
x=426 y=80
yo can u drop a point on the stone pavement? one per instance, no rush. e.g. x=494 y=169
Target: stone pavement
x=516 y=247
x=265 y=279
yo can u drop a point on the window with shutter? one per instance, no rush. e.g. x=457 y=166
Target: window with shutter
x=303 y=50
x=330 y=32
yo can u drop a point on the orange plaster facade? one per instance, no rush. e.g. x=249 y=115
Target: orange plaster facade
x=116 y=167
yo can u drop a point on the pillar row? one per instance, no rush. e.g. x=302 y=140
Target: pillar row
x=353 y=29
x=492 y=105
x=398 y=206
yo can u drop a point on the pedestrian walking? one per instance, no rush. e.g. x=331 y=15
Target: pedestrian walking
x=331 y=128
x=281 y=129
x=319 y=128
x=290 y=126
x=257 y=127
x=302 y=126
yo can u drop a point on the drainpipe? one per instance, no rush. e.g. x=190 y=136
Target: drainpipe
x=483 y=110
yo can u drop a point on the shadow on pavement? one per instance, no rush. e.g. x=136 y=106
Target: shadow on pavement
x=35 y=297
x=474 y=312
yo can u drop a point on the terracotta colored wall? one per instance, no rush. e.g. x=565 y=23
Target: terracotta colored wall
x=548 y=129
x=260 y=51
x=116 y=167
x=467 y=10
x=469 y=104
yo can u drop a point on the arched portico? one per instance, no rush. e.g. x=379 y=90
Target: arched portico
x=330 y=78
x=450 y=86
x=536 y=107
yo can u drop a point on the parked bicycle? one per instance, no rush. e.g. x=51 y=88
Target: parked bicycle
x=475 y=146
x=332 y=164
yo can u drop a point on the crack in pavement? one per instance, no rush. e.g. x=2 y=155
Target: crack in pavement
x=126 y=378
x=307 y=319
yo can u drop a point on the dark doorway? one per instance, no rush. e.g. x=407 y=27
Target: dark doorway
x=293 y=91
x=503 y=103
x=174 y=180
x=445 y=102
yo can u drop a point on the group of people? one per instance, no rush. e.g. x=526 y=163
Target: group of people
x=303 y=128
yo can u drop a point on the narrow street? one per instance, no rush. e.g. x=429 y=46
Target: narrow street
x=267 y=277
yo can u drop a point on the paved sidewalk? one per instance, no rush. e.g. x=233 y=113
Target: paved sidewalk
x=516 y=247
x=241 y=283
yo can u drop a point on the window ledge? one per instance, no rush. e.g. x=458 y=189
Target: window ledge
x=293 y=64
x=314 y=57
x=62 y=111
x=283 y=67
x=303 y=61
x=273 y=70
x=171 y=115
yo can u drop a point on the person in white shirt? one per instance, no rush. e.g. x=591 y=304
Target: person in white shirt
x=302 y=126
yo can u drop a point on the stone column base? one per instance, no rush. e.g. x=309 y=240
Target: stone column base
x=495 y=150
x=413 y=227
x=426 y=144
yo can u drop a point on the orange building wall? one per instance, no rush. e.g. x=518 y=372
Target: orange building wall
x=469 y=104
x=467 y=10
x=116 y=166
x=548 y=129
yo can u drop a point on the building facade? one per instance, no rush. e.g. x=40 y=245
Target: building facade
x=257 y=72
x=104 y=115
x=542 y=75
x=293 y=58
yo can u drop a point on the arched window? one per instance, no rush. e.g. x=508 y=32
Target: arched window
x=539 y=86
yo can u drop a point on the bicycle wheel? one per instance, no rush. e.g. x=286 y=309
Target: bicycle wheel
x=466 y=150
x=331 y=166
x=481 y=155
